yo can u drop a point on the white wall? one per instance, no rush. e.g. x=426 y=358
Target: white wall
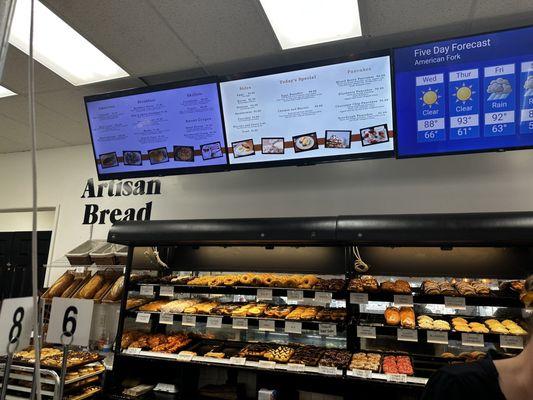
x=481 y=182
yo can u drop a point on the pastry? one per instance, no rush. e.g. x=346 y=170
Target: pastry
x=465 y=288
x=308 y=282
x=177 y=306
x=356 y=285
x=459 y=320
x=430 y=287
x=296 y=314
x=335 y=358
x=482 y=289
x=258 y=280
x=387 y=286
x=402 y=287
x=462 y=328
x=407 y=317
x=278 y=311
x=366 y=361
x=153 y=306
x=392 y=316
x=309 y=313
x=116 y=290
x=279 y=354
x=441 y=325
x=370 y=284
x=478 y=327
x=397 y=365
x=257 y=310
x=214 y=354
x=245 y=279
x=230 y=280
x=447 y=289
x=307 y=355
x=60 y=285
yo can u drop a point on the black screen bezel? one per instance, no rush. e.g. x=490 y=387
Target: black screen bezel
x=448 y=153
x=159 y=172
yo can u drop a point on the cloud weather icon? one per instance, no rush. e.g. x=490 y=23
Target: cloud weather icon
x=499 y=89
x=528 y=85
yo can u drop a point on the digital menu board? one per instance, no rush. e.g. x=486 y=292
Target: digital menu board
x=335 y=111
x=463 y=95
x=157 y=131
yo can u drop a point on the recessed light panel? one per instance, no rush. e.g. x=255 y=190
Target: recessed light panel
x=305 y=22
x=60 y=48
x=5 y=92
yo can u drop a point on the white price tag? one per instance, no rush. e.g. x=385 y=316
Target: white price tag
x=267 y=364
x=358 y=298
x=368 y=332
x=512 y=342
x=146 y=290
x=264 y=294
x=295 y=295
x=165 y=318
x=295 y=367
x=457 y=303
x=323 y=297
x=266 y=325
x=322 y=369
x=408 y=335
x=166 y=291
x=327 y=330
x=132 y=350
x=188 y=320
x=400 y=378
x=214 y=322
x=472 y=339
x=16 y=322
x=403 y=300
x=143 y=318
x=438 y=337
x=240 y=323
x=183 y=356
x=237 y=360
x=71 y=318
x=362 y=373
x=80 y=270
x=293 y=327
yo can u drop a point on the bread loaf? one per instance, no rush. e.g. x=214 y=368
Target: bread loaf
x=72 y=288
x=392 y=316
x=103 y=290
x=91 y=287
x=60 y=285
x=116 y=291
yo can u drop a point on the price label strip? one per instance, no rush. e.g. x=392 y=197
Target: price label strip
x=295 y=367
x=457 y=303
x=185 y=356
x=472 y=339
x=240 y=323
x=147 y=290
x=143 y=318
x=403 y=300
x=358 y=298
x=214 y=322
x=407 y=335
x=166 y=319
x=133 y=350
x=188 y=320
x=368 y=332
x=327 y=330
x=398 y=378
x=293 y=327
x=264 y=295
x=237 y=360
x=295 y=295
x=438 y=337
x=511 y=342
x=267 y=364
x=166 y=291
x=323 y=297
x=362 y=373
x=327 y=370
x=266 y=325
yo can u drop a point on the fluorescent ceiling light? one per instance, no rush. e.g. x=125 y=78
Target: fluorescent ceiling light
x=59 y=47
x=305 y=22
x=5 y=92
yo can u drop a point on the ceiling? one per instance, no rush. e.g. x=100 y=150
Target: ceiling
x=159 y=41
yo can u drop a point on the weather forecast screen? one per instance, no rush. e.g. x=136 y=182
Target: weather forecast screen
x=464 y=95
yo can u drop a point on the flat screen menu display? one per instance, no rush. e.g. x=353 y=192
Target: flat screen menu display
x=157 y=132
x=341 y=110
x=463 y=95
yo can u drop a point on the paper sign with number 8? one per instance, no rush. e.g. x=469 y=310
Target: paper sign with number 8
x=16 y=318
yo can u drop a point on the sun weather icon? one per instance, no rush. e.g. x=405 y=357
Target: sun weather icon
x=463 y=93
x=430 y=97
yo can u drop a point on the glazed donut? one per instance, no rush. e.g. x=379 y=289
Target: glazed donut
x=291 y=281
x=215 y=281
x=258 y=280
x=245 y=279
x=230 y=280
x=307 y=281
x=277 y=280
x=268 y=279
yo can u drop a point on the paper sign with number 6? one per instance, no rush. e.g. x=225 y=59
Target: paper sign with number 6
x=70 y=321
x=15 y=324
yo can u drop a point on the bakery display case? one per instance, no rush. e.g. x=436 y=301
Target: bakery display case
x=332 y=303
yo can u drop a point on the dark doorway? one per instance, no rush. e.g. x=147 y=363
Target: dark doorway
x=15 y=262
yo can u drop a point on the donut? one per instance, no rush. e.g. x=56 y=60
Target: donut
x=291 y=281
x=245 y=279
x=307 y=281
x=230 y=280
x=277 y=280
x=258 y=280
x=268 y=279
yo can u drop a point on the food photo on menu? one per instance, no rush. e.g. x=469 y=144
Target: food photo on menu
x=273 y=145
x=109 y=160
x=132 y=157
x=338 y=139
x=211 y=150
x=243 y=148
x=306 y=142
x=374 y=135
x=158 y=156
x=184 y=153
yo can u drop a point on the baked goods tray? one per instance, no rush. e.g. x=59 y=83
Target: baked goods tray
x=83 y=396
x=54 y=367
x=22 y=377
x=495 y=299
x=377 y=321
x=252 y=321
x=25 y=389
x=243 y=290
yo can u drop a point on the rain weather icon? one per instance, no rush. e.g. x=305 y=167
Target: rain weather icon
x=430 y=97
x=528 y=86
x=463 y=93
x=499 y=89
